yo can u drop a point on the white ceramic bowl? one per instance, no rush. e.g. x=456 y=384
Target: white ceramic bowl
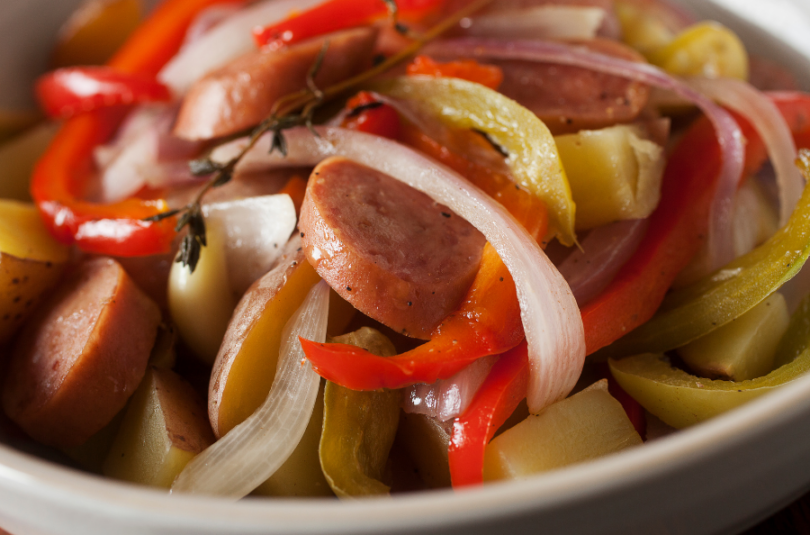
x=719 y=477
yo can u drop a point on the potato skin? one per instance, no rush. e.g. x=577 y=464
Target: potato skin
x=75 y=365
x=23 y=285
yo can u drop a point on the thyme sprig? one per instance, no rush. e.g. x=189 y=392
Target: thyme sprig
x=295 y=109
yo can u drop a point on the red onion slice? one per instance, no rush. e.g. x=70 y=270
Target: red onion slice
x=252 y=451
x=603 y=252
x=226 y=41
x=550 y=315
x=448 y=398
x=728 y=133
x=766 y=119
x=210 y=18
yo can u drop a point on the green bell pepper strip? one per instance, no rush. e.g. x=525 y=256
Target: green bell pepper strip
x=533 y=157
x=358 y=427
x=680 y=399
x=729 y=292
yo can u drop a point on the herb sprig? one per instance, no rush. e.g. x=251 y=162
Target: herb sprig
x=295 y=109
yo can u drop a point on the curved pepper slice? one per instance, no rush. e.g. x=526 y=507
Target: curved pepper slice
x=332 y=16
x=59 y=179
x=487 y=323
x=680 y=399
x=673 y=237
x=67 y=92
x=718 y=298
x=533 y=157
x=359 y=427
x=490 y=76
x=502 y=391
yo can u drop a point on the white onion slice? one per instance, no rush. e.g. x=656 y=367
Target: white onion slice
x=253 y=450
x=728 y=133
x=603 y=252
x=226 y=41
x=209 y=19
x=766 y=119
x=256 y=230
x=448 y=398
x=550 y=315
x=539 y=22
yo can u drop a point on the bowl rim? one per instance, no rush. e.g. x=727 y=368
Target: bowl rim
x=25 y=474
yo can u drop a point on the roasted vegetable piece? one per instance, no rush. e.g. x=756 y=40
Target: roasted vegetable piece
x=95 y=31
x=585 y=426
x=17 y=159
x=704 y=49
x=31 y=262
x=533 y=156
x=743 y=348
x=728 y=293
x=246 y=364
x=470 y=70
x=487 y=323
x=614 y=173
x=673 y=237
x=74 y=367
x=301 y=474
x=426 y=439
x=163 y=428
x=201 y=302
x=495 y=401
x=359 y=427
x=60 y=177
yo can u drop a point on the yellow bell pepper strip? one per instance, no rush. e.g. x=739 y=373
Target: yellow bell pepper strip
x=680 y=399
x=673 y=237
x=496 y=400
x=59 y=179
x=718 y=298
x=487 y=323
x=532 y=153
x=359 y=427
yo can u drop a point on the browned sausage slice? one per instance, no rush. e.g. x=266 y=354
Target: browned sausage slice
x=387 y=248
x=74 y=367
x=242 y=93
x=569 y=99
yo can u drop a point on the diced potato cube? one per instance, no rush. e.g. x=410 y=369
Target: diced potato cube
x=744 y=348
x=585 y=426
x=164 y=427
x=615 y=174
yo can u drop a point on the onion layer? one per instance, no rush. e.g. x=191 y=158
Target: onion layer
x=550 y=315
x=226 y=41
x=252 y=451
x=603 y=252
x=728 y=133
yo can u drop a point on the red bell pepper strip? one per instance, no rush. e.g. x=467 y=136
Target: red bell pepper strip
x=335 y=15
x=67 y=92
x=369 y=115
x=499 y=395
x=58 y=181
x=679 y=223
x=487 y=323
x=674 y=235
x=490 y=76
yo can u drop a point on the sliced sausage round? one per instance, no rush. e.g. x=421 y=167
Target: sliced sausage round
x=242 y=94
x=569 y=99
x=74 y=367
x=386 y=248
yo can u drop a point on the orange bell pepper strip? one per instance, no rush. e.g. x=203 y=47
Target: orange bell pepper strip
x=59 y=179
x=490 y=76
x=486 y=323
x=335 y=15
x=676 y=230
x=499 y=395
